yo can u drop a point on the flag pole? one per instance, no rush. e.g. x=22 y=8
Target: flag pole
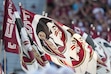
x=4 y=50
x=0 y=46
x=4 y=56
x=5 y=62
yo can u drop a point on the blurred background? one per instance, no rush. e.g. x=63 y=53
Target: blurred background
x=80 y=13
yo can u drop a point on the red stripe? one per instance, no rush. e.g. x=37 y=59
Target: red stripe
x=72 y=47
x=24 y=65
x=26 y=42
x=30 y=59
x=48 y=57
x=90 y=49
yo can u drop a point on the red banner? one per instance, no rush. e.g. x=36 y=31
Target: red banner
x=10 y=33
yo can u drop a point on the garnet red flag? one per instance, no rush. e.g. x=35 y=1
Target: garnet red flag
x=16 y=39
x=10 y=34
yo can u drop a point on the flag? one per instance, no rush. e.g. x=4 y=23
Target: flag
x=27 y=20
x=95 y=45
x=15 y=36
x=107 y=52
x=85 y=36
x=10 y=34
x=54 y=39
x=30 y=22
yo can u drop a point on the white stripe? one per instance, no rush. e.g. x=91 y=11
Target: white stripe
x=18 y=37
x=24 y=37
x=16 y=14
x=65 y=27
x=84 y=36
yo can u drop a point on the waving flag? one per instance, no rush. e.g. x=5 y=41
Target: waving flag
x=10 y=34
x=107 y=52
x=93 y=42
x=56 y=41
x=15 y=37
x=27 y=20
x=85 y=36
x=36 y=24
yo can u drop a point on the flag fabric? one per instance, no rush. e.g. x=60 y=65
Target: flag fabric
x=96 y=47
x=46 y=46
x=80 y=66
x=54 y=39
x=15 y=36
x=10 y=34
x=107 y=52
x=27 y=20
x=92 y=40
x=85 y=36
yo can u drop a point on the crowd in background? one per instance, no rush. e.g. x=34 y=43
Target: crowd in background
x=83 y=14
